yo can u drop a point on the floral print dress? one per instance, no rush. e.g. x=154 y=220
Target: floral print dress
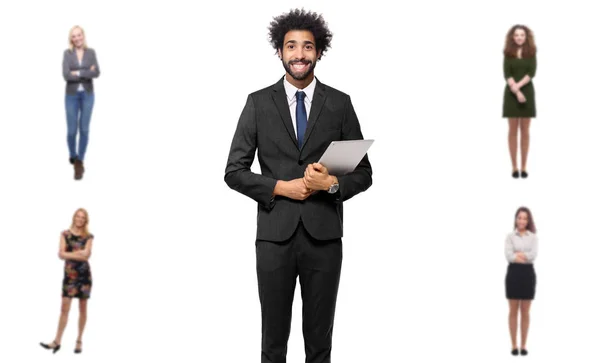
x=77 y=282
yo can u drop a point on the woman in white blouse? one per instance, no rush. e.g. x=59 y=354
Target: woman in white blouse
x=521 y=249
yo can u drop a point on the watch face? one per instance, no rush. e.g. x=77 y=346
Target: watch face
x=334 y=188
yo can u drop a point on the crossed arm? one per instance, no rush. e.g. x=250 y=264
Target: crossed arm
x=70 y=75
x=520 y=256
x=81 y=255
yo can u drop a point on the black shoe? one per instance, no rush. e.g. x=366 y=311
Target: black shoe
x=78 y=350
x=72 y=160
x=524 y=174
x=54 y=348
x=515 y=174
x=514 y=352
x=524 y=352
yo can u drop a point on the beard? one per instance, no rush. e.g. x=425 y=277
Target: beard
x=299 y=76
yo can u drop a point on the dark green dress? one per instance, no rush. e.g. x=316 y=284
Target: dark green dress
x=517 y=68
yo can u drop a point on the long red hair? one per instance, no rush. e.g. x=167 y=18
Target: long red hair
x=511 y=48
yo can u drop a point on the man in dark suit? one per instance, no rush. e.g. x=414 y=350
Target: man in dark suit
x=292 y=123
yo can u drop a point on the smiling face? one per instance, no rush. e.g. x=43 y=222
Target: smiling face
x=80 y=219
x=77 y=37
x=299 y=54
x=519 y=36
x=522 y=220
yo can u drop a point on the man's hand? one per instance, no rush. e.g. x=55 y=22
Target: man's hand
x=93 y=67
x=316 y=177
x=293 y=189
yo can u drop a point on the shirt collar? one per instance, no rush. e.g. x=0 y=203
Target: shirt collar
x=290 y=90
x=527 y=232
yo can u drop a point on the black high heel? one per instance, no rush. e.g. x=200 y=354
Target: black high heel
x=514 y=352
x=77 y=351
x=524 y=174
x=54 y=348
x=515 y=174
x=524 y=352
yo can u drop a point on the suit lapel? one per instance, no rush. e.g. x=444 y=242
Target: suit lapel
x=281 y=102
x=73 y=59
x=315 y=109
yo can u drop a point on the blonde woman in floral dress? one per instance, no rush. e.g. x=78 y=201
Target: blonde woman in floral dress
x=75 y=249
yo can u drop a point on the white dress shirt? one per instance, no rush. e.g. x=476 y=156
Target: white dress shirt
x=527 y=243
x=290 y=91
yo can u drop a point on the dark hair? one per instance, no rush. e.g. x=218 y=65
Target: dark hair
x=510 y=47
x=300 y=19
x=530 y=223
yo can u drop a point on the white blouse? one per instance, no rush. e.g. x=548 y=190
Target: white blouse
x=80 y=88
x=527 y=243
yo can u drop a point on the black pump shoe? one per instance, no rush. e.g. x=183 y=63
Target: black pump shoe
x=54 y=348
x=514 y=352
x=524 y=352
x=524 y=174
x=515 y=174
x=77 y=351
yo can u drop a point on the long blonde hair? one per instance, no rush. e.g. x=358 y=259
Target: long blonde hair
x=82 y=33
x=86 y=232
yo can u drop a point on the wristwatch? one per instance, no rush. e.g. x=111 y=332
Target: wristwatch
x=333 y=188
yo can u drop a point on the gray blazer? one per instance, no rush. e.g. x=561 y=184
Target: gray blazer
x=70 y=63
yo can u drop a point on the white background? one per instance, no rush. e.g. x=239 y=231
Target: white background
x=173 y=260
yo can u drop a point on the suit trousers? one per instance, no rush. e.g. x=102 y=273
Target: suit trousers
x=318 y=265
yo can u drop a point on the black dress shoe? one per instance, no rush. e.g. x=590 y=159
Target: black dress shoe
x=524 y=352
x=524 y=174
x=54 y=348
x=72 y=160
x=78 y=350
x=515 y=174
x=514 y=352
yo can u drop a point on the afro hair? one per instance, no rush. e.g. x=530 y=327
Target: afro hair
x=300 y=19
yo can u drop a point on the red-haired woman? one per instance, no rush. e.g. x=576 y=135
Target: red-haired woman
x=519 y=96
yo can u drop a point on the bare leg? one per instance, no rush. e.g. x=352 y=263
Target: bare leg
x=524 y=128
x=525 y=306
x=513 y=131
x=513 y=316
x=65 y=307
x=82 y=320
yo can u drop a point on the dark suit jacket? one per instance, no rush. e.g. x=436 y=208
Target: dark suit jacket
x=266 y=125
x=70 y=63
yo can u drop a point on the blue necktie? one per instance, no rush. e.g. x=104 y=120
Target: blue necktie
x=301 y=119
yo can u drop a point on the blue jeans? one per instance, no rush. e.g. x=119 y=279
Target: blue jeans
x=79 y=113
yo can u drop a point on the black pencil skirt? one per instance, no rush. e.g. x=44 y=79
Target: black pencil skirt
x=520 y=281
